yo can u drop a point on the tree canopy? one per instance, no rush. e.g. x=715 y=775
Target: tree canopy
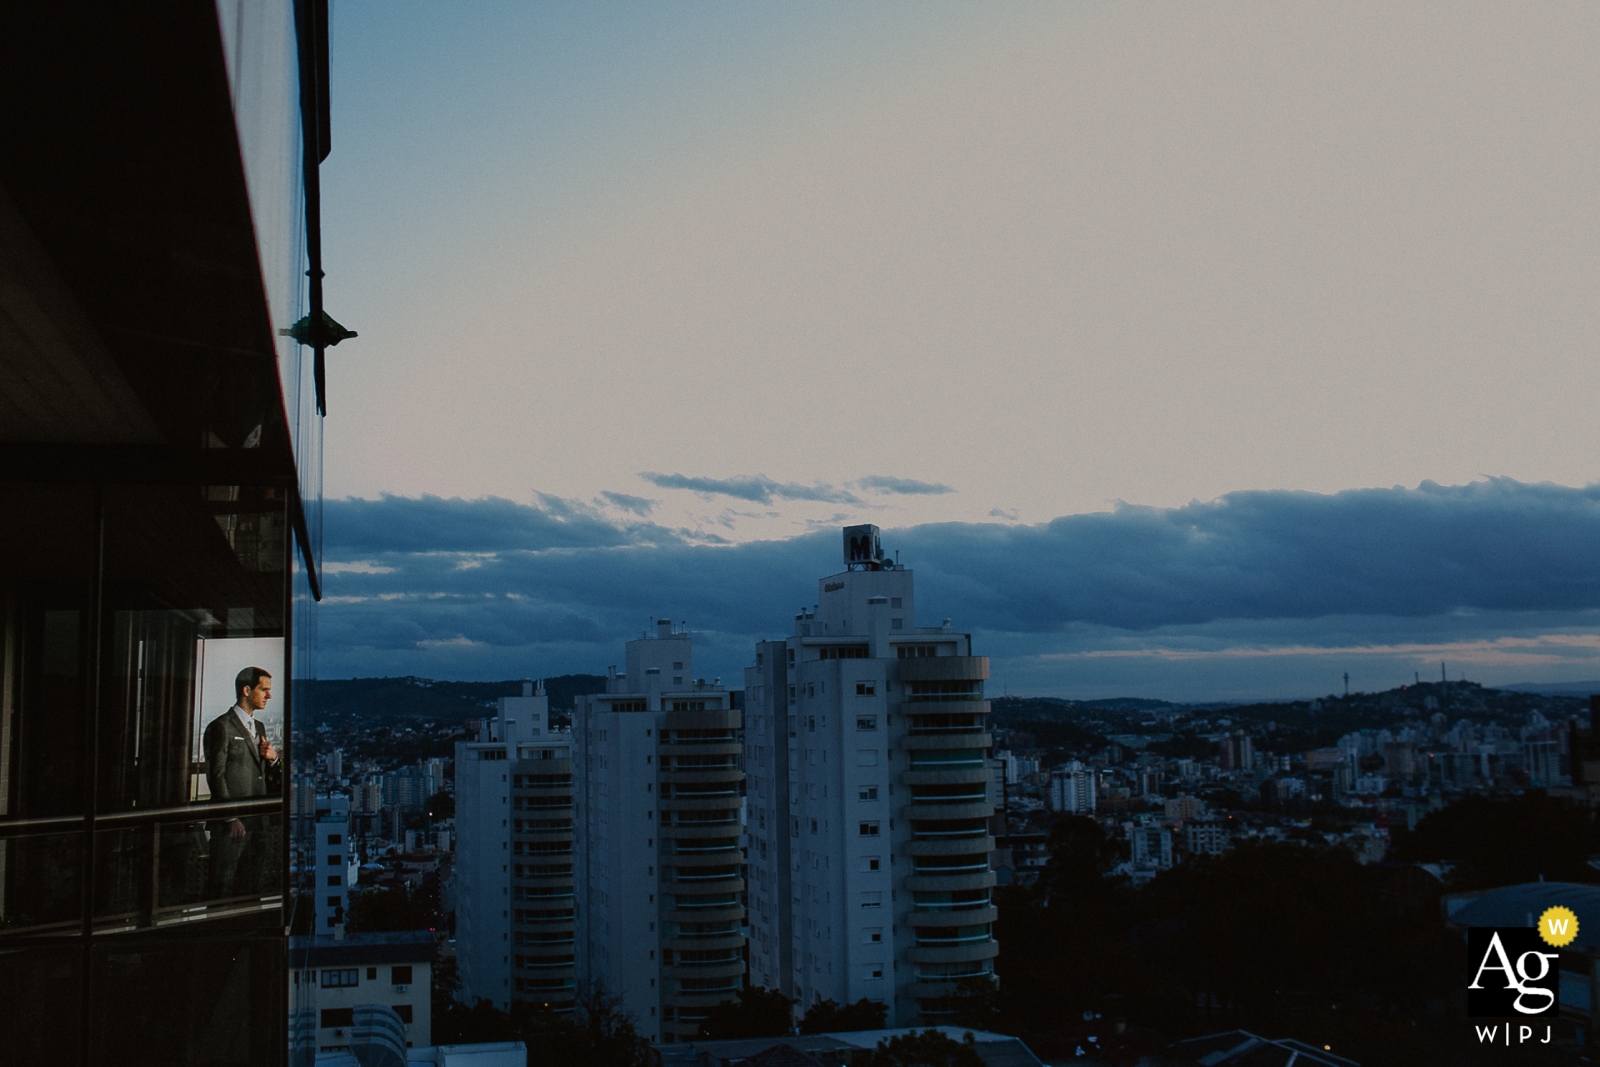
x=828 y=1016
x=759 y=1012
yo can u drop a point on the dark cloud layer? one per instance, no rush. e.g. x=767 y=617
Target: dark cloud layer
x=756 y=488
x=448 y=575
x=888 y=483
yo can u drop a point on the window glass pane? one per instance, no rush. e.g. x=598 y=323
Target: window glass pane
x=47 y=567
x=40 y=988
x=189 y=997
x=40 y=887
x=159 y=874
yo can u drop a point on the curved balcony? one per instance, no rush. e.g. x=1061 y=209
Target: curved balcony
x=546 y=942
x=943 y=865
x=964 y=898
x=919 y=812
x=543 y=871
x=720 y=801
x=681 y=943
x=951 y=846
x=704 y=913
x=933 y=995
x=699 y=787
x=546 y=828
x=978 y=776
x=923 y=758
x=712 y=968
x=927 y=830
x=533 y=915
x=952 y=915
x=928 y=747
x=916 y=883
x=688 y=846
x=716 y=990
x=925 y=725
x=716 y=872
x=554 y=802
x=703 y=866
x=974 y=790
x=700 y=763
x=981 y=948
x=676 y=829
x=525 y=962
x=718 y=747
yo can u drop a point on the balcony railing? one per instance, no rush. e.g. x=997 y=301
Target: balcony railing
x=692 y=903
x=951 y=900
x=952 y=936
x=923 y=865
x=947 y=724
x=706 y=874
x=689 y=846
x=946 y=759
x=694 y=931
x=941 y=830
x=974 y=794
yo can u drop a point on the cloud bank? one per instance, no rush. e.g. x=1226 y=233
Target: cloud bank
x=491 y=587
x=757 y=488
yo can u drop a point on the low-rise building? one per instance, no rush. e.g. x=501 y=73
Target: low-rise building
x=329 y=979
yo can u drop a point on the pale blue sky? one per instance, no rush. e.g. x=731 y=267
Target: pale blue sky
x=747 y=271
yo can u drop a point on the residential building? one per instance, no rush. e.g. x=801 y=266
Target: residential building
x=1236 y=752
x=1072 y=789
x=1207 y=838
x=330 y=980
x=408 y=789
x=160 y=383
x=336 y=864
x=659 y=873
x=1543 y=762
x=870 y=799
x=513 y=869
x=1184 y=807
x=1149 y=845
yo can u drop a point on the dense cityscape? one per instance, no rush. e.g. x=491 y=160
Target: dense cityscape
x=512 y=828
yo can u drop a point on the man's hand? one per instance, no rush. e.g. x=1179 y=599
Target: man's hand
x=236 y=828
x=268 y=753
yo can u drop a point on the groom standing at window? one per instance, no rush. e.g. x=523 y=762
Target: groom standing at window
x=240 y=762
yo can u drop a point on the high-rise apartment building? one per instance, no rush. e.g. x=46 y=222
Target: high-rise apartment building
x=161 y=393
x=513 y=869
x=335 y=863
x=660 y=886
x=869 y=799
x=1072 y=789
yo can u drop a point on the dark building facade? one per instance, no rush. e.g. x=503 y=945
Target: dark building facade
x=160 y=496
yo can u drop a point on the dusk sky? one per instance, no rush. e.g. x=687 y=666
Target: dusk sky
x=1189 y=351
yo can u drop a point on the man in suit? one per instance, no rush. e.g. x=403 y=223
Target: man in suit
x=239 y=763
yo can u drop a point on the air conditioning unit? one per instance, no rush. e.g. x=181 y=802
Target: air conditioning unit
x=338 y=1033
x=401 y=988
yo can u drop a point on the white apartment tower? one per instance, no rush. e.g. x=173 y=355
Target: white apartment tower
x=869 y=800
x=513 y=869
x=660 y=886
x=336 y=865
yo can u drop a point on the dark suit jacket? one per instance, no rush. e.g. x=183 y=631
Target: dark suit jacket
x=234 y=767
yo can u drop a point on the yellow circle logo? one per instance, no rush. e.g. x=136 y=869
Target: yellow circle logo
x=1558 y=926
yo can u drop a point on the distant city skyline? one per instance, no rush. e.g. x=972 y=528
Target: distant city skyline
x=628 y=281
